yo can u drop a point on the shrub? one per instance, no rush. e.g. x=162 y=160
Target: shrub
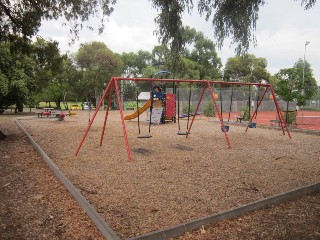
x=185 y=109
x=131 y=105
x=209 y=109
x=290 y=116
x=244 y=111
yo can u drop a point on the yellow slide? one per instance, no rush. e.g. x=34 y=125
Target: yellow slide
x=141 y=110
x=156 y=104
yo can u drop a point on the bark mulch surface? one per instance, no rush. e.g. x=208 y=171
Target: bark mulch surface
x=33 y=203
x=170 y=180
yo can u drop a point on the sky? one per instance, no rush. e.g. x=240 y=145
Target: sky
x=282 y=30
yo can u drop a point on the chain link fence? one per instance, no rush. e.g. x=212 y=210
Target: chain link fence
x=235 y=99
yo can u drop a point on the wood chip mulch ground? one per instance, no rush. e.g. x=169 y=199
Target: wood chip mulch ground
x=169 y=181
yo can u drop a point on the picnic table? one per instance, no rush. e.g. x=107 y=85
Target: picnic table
x=51 y=112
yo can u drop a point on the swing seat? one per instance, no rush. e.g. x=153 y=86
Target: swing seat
x=226 y=127
x=182 y=133
x=144 y=136
x=252 y=125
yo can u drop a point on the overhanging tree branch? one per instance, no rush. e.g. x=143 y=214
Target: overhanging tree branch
x=9 y=14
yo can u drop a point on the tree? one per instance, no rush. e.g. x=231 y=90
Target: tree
x=189 y=70
x=198 y=59
x=17 y=74
x=129 y=64
x=308 y=82
x=204 y=53
x=231 y=18
x=23 y=18
x=160 y=55
x=98 y=64
x=290 y=86
x=50 y=68
x=317 y=94
x=61 y=84
x=134 y=63
x=247 y=68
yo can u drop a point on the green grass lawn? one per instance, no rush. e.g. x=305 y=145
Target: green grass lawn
x=130 y=105
x=53 y=104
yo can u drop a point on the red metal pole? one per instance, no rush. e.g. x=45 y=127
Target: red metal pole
x=189 y=80
x=107 y=112
x=282 y=121
x=196 y=111
x=278 y=112
x=218 y=112
x=122 y=120
x=256 y=111
x=92 y=119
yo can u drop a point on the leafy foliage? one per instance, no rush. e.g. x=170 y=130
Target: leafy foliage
x=170 y=29
x=134 y=63
x=308 y=82
x=247 y=68
x=198 y=59
x=24 y=17
x=50 y=85
x=17 y=74
x=98 y=64
x=235 y=19
x=230 y=18
x=292 y=87
x=290 y=116
x=289 y=84
x=244 y=112
x=187 y=110
x=209 y=109
x=203 y=52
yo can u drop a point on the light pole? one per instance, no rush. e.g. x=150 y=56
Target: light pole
x=304 y=66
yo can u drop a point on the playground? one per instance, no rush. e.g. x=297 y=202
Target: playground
x=172 y=179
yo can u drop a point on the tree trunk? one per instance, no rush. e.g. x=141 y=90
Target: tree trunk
x=2 y=135
x=287 y=112
x=58 y=103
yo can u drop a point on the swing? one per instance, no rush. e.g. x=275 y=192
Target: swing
x=231 y=100
x=253 y=124
x=226 y=127
x=138 y=108
x=178 y=100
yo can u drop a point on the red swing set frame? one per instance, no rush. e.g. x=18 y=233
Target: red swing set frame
x=206 y=84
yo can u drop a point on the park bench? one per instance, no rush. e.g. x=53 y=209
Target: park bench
x=239 y=117
x=275 y=122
